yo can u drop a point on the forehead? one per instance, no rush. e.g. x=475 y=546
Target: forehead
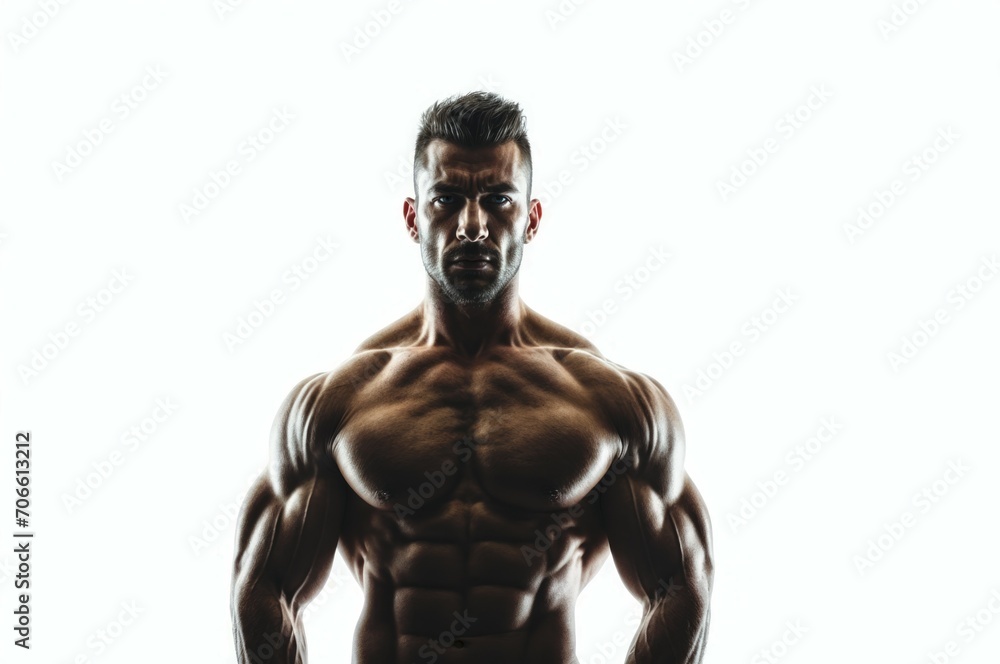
x=464 y=166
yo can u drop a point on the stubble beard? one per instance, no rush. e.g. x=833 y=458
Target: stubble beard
x=473 y=292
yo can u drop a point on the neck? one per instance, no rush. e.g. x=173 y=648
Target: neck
x=472 y=328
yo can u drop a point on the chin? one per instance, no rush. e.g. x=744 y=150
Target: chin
x=478 y=297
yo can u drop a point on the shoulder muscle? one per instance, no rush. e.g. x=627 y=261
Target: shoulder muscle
x=650 y=429
x=305 y=424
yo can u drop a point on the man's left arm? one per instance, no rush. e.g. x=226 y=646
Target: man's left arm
x=659 y=528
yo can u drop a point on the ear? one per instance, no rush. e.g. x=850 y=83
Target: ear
x=410 y=217
x=534 y=219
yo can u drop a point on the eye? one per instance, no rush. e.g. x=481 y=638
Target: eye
x=446 y=199
x=500 y=199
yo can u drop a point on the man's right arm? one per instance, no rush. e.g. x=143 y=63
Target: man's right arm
x=288 y=529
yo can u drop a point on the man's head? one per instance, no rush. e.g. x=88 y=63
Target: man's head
x=472 y=184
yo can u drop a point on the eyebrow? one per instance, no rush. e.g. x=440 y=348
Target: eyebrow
x=500 y=187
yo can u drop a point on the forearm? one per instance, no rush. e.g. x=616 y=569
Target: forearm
x=673 y=630
x=264 y=629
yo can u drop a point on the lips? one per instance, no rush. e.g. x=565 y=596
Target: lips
x=479 y=258
x=472 y=266
x=472 y=263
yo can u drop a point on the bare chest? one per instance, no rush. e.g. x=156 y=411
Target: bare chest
x=513 y=430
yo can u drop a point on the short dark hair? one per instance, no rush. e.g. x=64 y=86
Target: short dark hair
x=473 y=120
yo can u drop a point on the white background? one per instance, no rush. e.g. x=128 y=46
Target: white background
x=805 y=554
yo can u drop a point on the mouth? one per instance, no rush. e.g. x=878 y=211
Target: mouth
x=475 y=263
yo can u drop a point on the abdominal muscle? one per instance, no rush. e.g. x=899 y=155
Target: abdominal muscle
x=469 y=579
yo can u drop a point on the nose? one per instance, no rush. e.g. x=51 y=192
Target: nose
x=472 y=223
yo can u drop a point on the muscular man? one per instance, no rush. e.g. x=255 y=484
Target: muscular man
x=474 y=462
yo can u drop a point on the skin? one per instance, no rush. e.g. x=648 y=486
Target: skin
x=475 y=464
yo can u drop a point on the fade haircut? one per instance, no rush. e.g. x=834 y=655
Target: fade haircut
x=473 y=120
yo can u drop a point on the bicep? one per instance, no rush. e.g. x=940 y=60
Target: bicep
x=656 y=520
x=657 y=545
x=286 y=541
x=290 y=523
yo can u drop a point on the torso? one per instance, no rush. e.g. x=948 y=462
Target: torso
x=471 y=523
